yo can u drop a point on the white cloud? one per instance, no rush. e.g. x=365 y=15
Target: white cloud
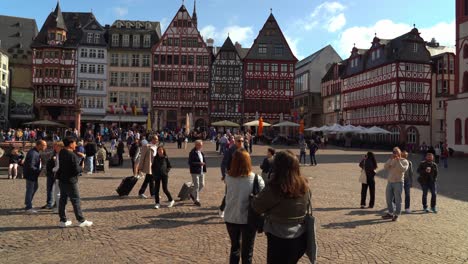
x=443 y=32
x=243 y=35
x=328 y=14
x=120 y=11
x=163 y=24
x=293 y=43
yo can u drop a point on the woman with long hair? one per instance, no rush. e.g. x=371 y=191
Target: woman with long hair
x=284 y=201
x=160 y=168
x=368 y=164
x=239 y=185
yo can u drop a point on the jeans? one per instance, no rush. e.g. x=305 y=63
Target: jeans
x=50 y=189
x=247 y=234
x=90 y=163
x=70 y=190
x=157 y=180
x=445 y=161
x=431 y=186
x=302 y=155
x=148 y=180
x=223 y=148
x=407 y=187
x=198 y=184
x=393 y=192
x=313 y=161
x=56 y=192
x=371 y=185
x=31 y=188
x=285 y=251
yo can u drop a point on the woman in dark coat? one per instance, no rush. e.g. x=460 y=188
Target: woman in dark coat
x=120 y=151
x=160 y=168
x=369 y=165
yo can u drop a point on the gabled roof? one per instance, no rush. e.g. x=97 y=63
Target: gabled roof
x=58 y=21
x=17 y=33
x=271 y=36
x=314 y=55
x=228 y=46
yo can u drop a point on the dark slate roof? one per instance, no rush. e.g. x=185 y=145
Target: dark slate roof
x=59 y=21
x=75 y=21
x=17 y=34
x=228 y=45
x=271 y=35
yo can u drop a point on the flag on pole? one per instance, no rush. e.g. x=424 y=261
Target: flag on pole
x=187 y=124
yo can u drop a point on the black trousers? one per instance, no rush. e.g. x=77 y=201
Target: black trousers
x=223 y=203
x=371 y=185
x=157 y=181
x=120 y=155
x=70 y=190
x=285 y=251
x=149 y=180
x=247 y=234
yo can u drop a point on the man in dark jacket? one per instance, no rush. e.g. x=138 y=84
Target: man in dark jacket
x=32 y=169
x=428 y=173
x=67 y=175
x=90 y=151
x=197 y=170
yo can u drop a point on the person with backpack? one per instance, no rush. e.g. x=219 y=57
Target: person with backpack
x=160 y=169
x=313 y=148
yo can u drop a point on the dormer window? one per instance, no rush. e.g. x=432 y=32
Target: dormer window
x=97 y=38
x=415 y=47
x=262 y=48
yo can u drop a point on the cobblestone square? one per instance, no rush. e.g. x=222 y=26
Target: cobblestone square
x=129 y=230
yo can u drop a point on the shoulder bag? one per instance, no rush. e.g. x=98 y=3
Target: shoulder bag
x=363 y=176
x=255 y=220
x=309 y=221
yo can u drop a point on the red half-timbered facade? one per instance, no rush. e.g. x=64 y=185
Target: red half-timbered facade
x=226 y=85
x=269 y=73
x=389 y=85
x=181 y=73
x=54 y=68
x=331 y=93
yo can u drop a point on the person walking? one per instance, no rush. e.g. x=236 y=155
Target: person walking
x=160 y=168
x=368 y=164
x=148 y=153
x=197 y=163
x=302 y=150
x=90 y=151
x=407 y=182
x=284 y=201
x=313 y=148
x=223 y=141
x=50 y=174
x=67 y=174
x=135 y=154
x=32 y=169
x=396 y=167
x=428 y=173
x=267 y=164
x=15 y=159
x=120 y=151
x=239 y=185
x=444 y=154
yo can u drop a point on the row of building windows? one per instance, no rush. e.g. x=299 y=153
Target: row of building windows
x=412 y=87
x=92 y=68
x=125 y=40
x=302 y=83
x=93 y=38
x=54 y=54
x=278 y=49
x=443 y=63
x=226 y=107
x=92 y=85
x=53 y=73
x=92 y=53
x=132 y=79
x=375 y=111
x=331 y=88
x=226 y=88
x=199 y=95
x=358 y=79
x=137 y=99
x=267 y=67
x=182 y=42
x=133 y=60
x=92 y=102
x=228 y=55
x=267 y=106
x=415 y=109
x=182 y=76
x=267 y=84
x=228 y=71
x=164 y=59
x=383 y=89
x=55 y=92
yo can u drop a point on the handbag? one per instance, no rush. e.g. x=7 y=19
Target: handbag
x=254 y=219
x=363 y=176
x=309 y=222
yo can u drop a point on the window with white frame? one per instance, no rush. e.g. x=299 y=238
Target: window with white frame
x=100 y=69
x=124 y=79
x=97 y=38
x=146 y=61
x=100 y=54
x=83 y=84
x=83 y=68
x=114 y=60
x=92 y=53
x=115 y=40
x=135 y=79
x=145 y=80
x=124 y=60
x=125 y=40
x=262 y=48
x=91 y=85
x=90 y=38
x=92 y=68
x=412 y=135
x=136 y=41
x=146 y=41
x=84 y=53
x=135 y=60
x=114 y=79
x=113 y=97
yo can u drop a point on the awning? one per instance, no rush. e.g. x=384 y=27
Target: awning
x=91 y=118
x=125 y=118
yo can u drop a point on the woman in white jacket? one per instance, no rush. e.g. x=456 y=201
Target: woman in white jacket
x=239 y=184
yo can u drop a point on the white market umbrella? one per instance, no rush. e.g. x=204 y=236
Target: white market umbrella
x=255 y=123
x=350 y=128
x=313 y=129
x=375 y=130
x=334 y=128
x=285 y=124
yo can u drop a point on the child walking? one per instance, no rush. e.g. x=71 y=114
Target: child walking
x=160 y=168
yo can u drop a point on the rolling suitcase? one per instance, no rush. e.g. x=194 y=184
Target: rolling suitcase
x=185 y=191
x=126 y=185
x=114 y=160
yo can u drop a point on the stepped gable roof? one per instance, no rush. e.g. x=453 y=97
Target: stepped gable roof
x=17 y=33
x=271 y=36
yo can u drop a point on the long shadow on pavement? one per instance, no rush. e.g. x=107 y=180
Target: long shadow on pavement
x=166 y=223
x=26 y=228
x=354 y=224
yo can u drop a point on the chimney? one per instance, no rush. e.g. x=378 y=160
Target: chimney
x=238 y=46
x=210 y=45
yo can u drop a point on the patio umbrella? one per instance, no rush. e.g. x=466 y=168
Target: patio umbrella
x=45 y=123
x=256 y=123
x=350 y=128
x=375 y=130
x=187 y=124
x=286 y=124
x=225 y=123
x=260 y=126
x=313 y=129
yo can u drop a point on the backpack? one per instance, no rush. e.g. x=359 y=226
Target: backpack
x=133 y=150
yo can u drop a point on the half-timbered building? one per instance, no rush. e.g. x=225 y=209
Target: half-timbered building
x=457 y=115
x=226 y=84
x=181 y=72
x=269 y=72
x=54 y=68
x=331 y=94
x=389 y=85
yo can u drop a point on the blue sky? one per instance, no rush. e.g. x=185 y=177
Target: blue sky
x=308 y=24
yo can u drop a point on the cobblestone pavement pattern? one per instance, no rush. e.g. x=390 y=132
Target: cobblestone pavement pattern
x=129 y=230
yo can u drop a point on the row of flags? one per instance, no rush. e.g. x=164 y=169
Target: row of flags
x=124 y=109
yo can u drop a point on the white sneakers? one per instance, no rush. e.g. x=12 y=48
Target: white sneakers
x=221 y=213
x=171 y=203
x=89 y=173
x=408 y=211
x=31 y=211
x=142 y=196
x=65 y=224
x=86 y=223
x=157 y=206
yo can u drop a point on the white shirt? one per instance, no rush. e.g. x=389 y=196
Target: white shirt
x=200 y=156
